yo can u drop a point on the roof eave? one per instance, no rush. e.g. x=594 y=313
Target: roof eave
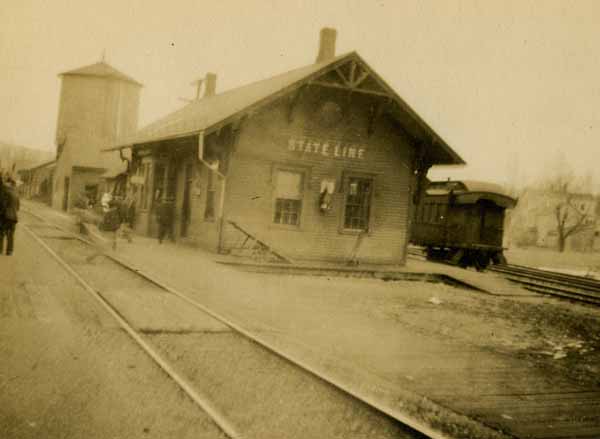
x=435 y=138
x=253 y=107
x=452 y=158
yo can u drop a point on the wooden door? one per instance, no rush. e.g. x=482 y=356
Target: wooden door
x=186 y=202
x=65 y=204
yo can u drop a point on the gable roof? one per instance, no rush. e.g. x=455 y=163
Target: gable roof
x=101 y=69
x=215 y=111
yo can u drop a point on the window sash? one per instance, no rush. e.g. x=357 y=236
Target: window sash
x=287 y=212
x=357 y=211
x=289 y=185
x=289 y=194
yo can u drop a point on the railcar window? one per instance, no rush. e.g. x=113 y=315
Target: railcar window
x=358 y=203
x=289 y=192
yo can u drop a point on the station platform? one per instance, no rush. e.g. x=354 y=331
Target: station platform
x=414 y=269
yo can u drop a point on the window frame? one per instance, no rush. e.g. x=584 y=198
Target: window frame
x=304 y=171
x=345 y=189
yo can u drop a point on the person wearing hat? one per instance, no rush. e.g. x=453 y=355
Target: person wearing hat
x=9 y=206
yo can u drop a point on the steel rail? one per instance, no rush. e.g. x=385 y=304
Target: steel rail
x=390 y=411
x=592 y=284
x=543 y=281
x=550 y=284
x=201 y=400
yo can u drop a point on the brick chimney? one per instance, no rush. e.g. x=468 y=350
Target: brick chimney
x=326 y=44
x=210 y=85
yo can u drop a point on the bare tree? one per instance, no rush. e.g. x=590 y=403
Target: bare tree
x=565 y=195
x=570 y=220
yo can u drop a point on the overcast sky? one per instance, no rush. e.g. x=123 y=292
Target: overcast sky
x=509 y=85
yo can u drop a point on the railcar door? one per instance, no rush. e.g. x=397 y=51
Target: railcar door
x=472 y=227
x=492 y=223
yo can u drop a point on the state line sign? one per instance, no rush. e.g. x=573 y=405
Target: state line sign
x=326 y=148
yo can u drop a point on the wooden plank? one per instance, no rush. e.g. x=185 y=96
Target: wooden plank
x=265 y=245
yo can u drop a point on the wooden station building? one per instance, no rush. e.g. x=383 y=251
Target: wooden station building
x=318 y=162
x=37 y=182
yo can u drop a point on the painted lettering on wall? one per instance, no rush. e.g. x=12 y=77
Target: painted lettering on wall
x=327 y=148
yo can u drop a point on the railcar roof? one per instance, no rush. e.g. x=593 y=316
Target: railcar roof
x=465 y=186
x=470 y=191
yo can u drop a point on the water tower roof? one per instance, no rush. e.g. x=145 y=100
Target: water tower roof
x=101 y=69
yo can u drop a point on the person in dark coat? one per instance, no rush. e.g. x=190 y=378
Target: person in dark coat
x=127 y=211
x=9 y=216
x=164 y=216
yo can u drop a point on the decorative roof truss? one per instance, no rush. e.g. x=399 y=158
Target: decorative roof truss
x=352 y=76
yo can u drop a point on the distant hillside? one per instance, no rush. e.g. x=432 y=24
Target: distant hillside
x=22 y=157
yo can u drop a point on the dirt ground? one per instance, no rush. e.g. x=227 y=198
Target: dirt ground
x=68 y=371
x=452 y=345
x=557 y=336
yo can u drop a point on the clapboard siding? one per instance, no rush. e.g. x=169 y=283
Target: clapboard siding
x=263 y=146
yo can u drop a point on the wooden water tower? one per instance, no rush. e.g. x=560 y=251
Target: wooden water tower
x=98 y=104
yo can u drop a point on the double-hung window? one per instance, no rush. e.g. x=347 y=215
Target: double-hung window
x=289 y=191
x=357 y=210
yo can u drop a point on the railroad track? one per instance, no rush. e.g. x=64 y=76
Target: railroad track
x=55 y=240
x=572 y=287
x=552 y=283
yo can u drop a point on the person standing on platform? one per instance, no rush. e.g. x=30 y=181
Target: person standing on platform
x=127 y=207
x=8 y=216
x=164 y=216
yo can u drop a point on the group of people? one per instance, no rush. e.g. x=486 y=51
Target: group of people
x=118 y=218
x=118 y=215
x=9 y=206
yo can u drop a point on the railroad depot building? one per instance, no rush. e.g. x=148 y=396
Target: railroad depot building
x=318 y=163
x=37 y=182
